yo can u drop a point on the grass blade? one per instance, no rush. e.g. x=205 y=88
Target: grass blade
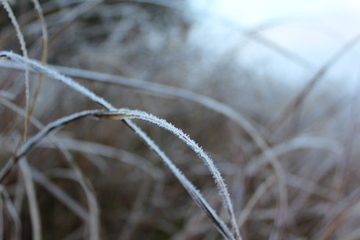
x=60 y=194
x=125 y=113
x=21 y=39
x=31 y=195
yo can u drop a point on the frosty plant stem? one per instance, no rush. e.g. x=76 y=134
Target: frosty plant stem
x=126 y=115
x=22 y=42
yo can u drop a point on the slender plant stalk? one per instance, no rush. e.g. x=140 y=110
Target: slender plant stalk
x=33 y=202
x=22 y=42
x=200 y=99
x=44 y=54
x=127 y=114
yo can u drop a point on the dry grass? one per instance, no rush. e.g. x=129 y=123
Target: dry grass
x=76 y=162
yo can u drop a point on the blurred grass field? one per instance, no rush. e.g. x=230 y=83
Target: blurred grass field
x=289 y=155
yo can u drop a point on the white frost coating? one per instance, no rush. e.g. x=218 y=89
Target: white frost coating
x=57 y=123
x=126 y=115
x=54 y=74
x=196 y=195
x=224 y=194
x=21 y=39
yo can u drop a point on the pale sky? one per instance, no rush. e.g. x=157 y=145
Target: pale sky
x=313 y=29
x=255 y=11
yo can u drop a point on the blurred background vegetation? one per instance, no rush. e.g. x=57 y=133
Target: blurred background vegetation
x=312 y=131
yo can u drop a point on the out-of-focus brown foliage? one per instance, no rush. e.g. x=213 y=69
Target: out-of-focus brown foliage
x=316 y=142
